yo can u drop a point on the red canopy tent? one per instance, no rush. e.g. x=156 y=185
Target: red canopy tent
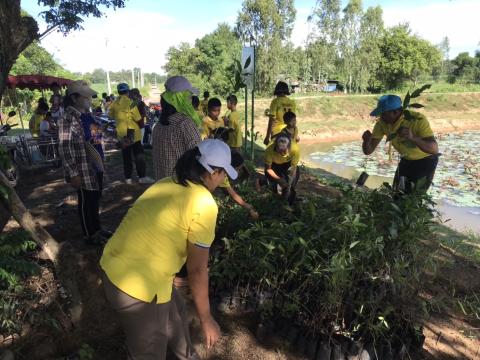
x=35 y=82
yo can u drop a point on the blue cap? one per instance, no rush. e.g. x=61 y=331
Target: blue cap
x=387 y=103
x=122 y=87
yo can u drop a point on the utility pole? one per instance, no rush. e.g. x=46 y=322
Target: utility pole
x=109 y=85
x=133 y=78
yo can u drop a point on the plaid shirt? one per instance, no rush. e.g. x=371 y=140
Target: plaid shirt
x=169 y=142
x=72 y=149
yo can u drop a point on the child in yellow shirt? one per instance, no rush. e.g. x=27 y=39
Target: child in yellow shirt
x=232 y=122
x=212 y=122
x=291 y=129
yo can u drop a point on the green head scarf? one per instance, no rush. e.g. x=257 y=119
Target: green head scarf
x=183 y=103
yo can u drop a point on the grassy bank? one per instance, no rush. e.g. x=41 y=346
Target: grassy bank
x=343 y=117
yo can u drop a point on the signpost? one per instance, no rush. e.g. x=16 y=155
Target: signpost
x=248 y=74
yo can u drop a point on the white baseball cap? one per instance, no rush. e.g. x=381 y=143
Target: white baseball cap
x=216 y=153
x=180 y=83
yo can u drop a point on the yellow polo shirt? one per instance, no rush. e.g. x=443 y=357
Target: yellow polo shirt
x=209 y=126
x=126 y=115
x=420 y=127
x=278 y=107
x=150 y=245
x=273 y=157
x=235 y=137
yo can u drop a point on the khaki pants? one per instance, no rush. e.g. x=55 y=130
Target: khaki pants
x=151 y=327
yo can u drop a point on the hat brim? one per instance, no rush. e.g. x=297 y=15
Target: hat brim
x=195 y=91
x=376 y=112
x=231 y=172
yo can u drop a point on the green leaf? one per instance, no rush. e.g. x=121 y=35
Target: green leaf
x=353 y=244
x=408 y=115
x=416 y=106
x=406 y=101
x=419 y=91
x=268 y=246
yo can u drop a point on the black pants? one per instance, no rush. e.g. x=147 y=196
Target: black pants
x=89 y=208
x=130 y=153
x=282 y=170
x=416 y=170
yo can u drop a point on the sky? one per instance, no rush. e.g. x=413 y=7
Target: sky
x=140 y=34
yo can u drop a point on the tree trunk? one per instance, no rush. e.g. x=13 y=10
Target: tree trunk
x=46 y=242
x=16 y=33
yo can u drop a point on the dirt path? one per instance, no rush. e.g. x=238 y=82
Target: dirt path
x=449 y=334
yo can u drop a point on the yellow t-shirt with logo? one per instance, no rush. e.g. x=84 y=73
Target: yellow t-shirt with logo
x=273 y=157
x=209 y=126
x=126 y=115
x=278 y=107
x=420 y=127
x=150 y=245
x=235 y=137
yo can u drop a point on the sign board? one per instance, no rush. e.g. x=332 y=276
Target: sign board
x=248 y=65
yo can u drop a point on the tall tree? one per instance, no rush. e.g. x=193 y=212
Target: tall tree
x=350 y=43
x=322 y=46
x=444 y=47
x=405 y=57
x=369 y=55
x=269 y=23
x=18 y=29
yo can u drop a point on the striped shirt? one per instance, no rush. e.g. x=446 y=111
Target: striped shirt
x=169 y=142
x=72 y=149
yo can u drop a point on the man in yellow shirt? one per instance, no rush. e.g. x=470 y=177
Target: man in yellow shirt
x=127 y=116
x=212 y=122
x=278 y=107
x=232 y=122
x=412 y=138
x=281 y=166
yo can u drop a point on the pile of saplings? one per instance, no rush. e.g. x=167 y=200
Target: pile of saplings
x=334 y=277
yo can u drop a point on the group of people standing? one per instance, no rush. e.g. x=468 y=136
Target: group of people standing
x=172 y=224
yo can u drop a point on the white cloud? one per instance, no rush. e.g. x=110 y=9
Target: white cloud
x=457 y=19
x=135 y=38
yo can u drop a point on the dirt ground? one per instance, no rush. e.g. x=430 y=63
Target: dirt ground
x=449 y=333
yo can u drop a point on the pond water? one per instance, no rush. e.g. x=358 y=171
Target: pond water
x=456 y=188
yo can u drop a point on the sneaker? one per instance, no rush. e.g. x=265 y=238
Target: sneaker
x=128 y=181
x=146 y=180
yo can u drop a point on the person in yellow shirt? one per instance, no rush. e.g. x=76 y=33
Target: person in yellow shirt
x=281 y=166
x=127 y=117
x=291 y=129
x=278 y=107
x=412 y=138
x=37 y=118
x=232 y=122
x=173 y=222
x=212 y=121
x=204 y=103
